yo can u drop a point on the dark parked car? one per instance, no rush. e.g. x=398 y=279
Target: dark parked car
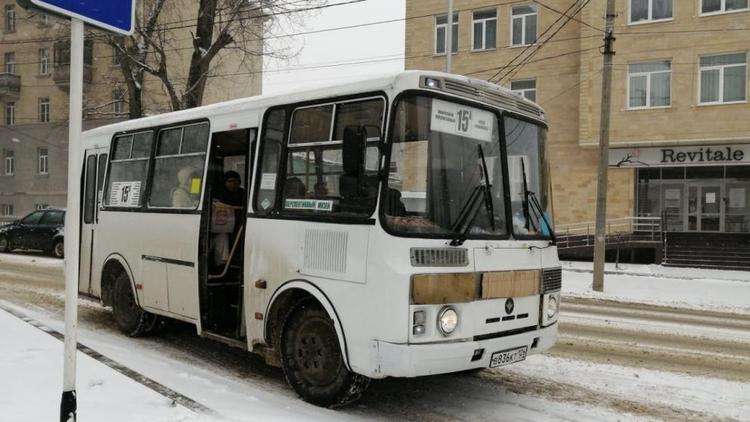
x=40 y=230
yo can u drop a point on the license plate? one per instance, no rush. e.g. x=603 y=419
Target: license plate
x=506 y=357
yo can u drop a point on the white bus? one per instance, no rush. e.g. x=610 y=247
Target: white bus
x=396 y=227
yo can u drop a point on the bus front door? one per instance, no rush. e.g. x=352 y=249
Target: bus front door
x=94 y=164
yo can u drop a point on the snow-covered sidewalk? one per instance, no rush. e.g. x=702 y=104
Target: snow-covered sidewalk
x=31 y=386
x=694 y=288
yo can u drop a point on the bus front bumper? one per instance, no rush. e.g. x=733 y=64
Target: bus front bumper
x=413 y=360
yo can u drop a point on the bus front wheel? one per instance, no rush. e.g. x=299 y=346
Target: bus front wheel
x=312 y=361
x=130 y=318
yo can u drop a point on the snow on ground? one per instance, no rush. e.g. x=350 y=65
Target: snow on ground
x=661 y=271
x=713 y=396
x=31 y=387
x=657 y=285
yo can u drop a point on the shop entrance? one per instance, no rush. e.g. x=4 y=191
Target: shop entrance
x=696 y=199
x=705 y=210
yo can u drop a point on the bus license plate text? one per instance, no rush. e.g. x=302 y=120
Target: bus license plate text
x=506 y=357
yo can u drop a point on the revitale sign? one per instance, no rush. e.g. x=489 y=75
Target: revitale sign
x=698 y=155
x=722 y=154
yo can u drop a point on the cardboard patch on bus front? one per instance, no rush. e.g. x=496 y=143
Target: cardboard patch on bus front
x=502 y=284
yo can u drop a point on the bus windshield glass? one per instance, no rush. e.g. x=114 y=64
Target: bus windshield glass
x=441 y=153
x=529 y=178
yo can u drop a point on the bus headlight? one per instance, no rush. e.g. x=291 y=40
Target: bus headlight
x=447 y=320
x=552 y=306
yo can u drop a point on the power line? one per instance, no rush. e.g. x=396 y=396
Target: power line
x=515 y=70
x=502 y=73
x=571 y=17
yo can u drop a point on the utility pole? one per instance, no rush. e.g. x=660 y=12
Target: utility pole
x=601 y=186
x=449 y=38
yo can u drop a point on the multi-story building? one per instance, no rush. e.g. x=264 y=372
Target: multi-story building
x=34 y=79
x=680 y=126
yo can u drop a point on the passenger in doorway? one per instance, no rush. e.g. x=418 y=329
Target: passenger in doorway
x=228 y=204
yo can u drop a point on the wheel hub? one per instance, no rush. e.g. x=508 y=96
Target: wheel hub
x=316 y=354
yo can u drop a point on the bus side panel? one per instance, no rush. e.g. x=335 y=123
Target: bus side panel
x=161 y=250
x=282 y=250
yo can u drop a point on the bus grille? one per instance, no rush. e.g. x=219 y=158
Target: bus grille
x=439 y=257
x=551 y=280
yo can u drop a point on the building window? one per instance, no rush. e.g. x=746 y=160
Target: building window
x=523 y=25
x=650 y=84
x=44 y=19
x=722 y=6
x=10 y=18
x=7 y=210
x=118 y=101
x=484 y=36
x=723 y=79
x=44 y=109
x=441 y=34
x=43 y=160
x=527 y=88
x=44 y=61
x=650 y=10
x=10 y=114
x=8 y=162
x=10 y=62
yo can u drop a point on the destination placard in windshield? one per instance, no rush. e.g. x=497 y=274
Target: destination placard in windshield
x=461 y=120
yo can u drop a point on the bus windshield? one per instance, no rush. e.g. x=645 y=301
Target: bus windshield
x=440 y=154
x=528 y=174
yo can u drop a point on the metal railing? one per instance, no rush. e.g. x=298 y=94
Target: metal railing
x=618 y=231
x=7 y=219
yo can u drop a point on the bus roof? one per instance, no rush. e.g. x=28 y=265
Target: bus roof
x=508 y=99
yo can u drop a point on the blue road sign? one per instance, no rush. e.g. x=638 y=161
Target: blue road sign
x=113 y=15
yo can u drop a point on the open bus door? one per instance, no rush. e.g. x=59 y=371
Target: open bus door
x=94 y=166
x=222 y=282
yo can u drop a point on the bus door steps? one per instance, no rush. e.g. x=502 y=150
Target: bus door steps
x=230 y=341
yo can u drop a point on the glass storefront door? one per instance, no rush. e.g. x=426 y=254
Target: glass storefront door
x=696 y=199
x=705 y=210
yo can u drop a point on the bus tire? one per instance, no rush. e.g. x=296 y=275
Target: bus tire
x=312 y=361
x=130 y=318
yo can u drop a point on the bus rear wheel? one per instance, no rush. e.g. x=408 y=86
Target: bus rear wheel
x=130 y=318
x=312 y=361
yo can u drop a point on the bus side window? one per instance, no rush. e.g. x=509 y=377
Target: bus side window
x=128 y=170
x=178 y=167
x=270 y=158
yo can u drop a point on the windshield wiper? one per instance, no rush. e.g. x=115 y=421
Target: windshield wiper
x=470 y=210
x=537 y=207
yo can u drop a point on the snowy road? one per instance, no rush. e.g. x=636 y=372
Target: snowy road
x=613 y=359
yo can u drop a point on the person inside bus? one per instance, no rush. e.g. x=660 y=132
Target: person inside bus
x=182 y=196
x=227 y=215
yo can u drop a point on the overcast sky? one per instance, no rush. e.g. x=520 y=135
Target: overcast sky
x=330 y=57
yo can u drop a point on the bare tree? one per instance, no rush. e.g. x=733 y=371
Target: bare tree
x=217 y=29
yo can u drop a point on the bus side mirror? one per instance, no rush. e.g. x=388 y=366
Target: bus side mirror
x=353 y=150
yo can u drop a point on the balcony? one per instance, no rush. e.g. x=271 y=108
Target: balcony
x=10 y=86
x=61 y=75
x=61 y=68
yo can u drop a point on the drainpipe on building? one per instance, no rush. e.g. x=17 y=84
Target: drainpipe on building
x=449 y=38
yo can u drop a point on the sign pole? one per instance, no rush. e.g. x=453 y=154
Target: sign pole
x=68 y=404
